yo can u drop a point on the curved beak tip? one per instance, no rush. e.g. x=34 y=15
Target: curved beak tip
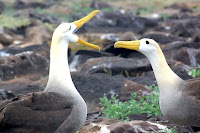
x=79 y=23
x=97 y=11
x=116 y=45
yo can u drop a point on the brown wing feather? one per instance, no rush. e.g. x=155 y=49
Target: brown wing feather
x=34 y=112
x=193 y=89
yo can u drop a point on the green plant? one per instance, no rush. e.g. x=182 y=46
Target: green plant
x=144 y=11
x=12 y=22
x=109 y=9
x=195 y=72
x=9 y=10
x=80 y=8
x=174 y=130
x=171 y=130
x=115 y=109
x=165 y=16
x=63 y=17
x=51 y=27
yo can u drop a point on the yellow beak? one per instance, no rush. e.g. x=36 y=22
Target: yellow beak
x=134 y=45
x=79 y=23
x=88 y=44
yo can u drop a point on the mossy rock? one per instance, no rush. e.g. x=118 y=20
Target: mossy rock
x=12 y=22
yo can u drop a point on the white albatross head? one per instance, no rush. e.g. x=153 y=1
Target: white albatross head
x=146 y=46
x=67 y=30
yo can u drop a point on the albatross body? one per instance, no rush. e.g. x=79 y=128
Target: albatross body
x=59 y=108
x=179 y=100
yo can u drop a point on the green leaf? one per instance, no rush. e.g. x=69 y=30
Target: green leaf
x=115 y=109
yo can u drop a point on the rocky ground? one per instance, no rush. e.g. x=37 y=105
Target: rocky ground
x=24 y=54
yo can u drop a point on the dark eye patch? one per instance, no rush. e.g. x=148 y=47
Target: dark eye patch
x=147 y=42
x=70 y=27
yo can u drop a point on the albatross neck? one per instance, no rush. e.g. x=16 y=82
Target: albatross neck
x=59 y=73
x=165 y=77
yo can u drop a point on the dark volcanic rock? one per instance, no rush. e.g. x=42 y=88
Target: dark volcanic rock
x=136 y=23
x=142 y=126
x=187 y=56
x=103 y=125
x=23 y=64
x=83 y=55
x=131 y=87
x=113 y=22
x=93 y=87
x=100 y=5
x=20 y=4
x=36 y=35
x=116 y=66
x=20 y=86
x=5 y=94
x=145 y=79
x=2 y=6
x=6 y=39
x=162 y=38
x=196 y=37
x=41 y=49
x=197 y=57
x=177 y=45
x=185 y=28
x=180 y=69
x=45 y=18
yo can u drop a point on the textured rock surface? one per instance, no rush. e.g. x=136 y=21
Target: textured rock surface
x=188 y=56
x=162 y=37
x=116 y=66
x=93 y=87
x=99 y=124
x=23 y=64
x=20 y=86
x=83 y=55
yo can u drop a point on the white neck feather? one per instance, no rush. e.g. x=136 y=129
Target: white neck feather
x=59 y=73
x=60 y=81
x=165 y=77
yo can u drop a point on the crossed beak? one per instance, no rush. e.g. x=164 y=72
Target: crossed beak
x=79 y=23
x=134 y=45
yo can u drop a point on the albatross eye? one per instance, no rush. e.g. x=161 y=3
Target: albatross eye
x=147 y=42
x=70 y=27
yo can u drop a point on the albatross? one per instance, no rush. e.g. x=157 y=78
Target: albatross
x=179 y=99
x=59 y=108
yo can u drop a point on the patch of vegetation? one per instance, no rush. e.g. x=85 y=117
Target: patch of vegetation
x=195 y=72
x=165 y=16
x=174 y=130
x=12 y=22
x=9 y=10
x=51 y=27
x=114 y=109
x=63 y=17
x=110 y=9
x=197 y=9
x=83 y=7
x=171 y=130
x=80 y=7
x=145 y=11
